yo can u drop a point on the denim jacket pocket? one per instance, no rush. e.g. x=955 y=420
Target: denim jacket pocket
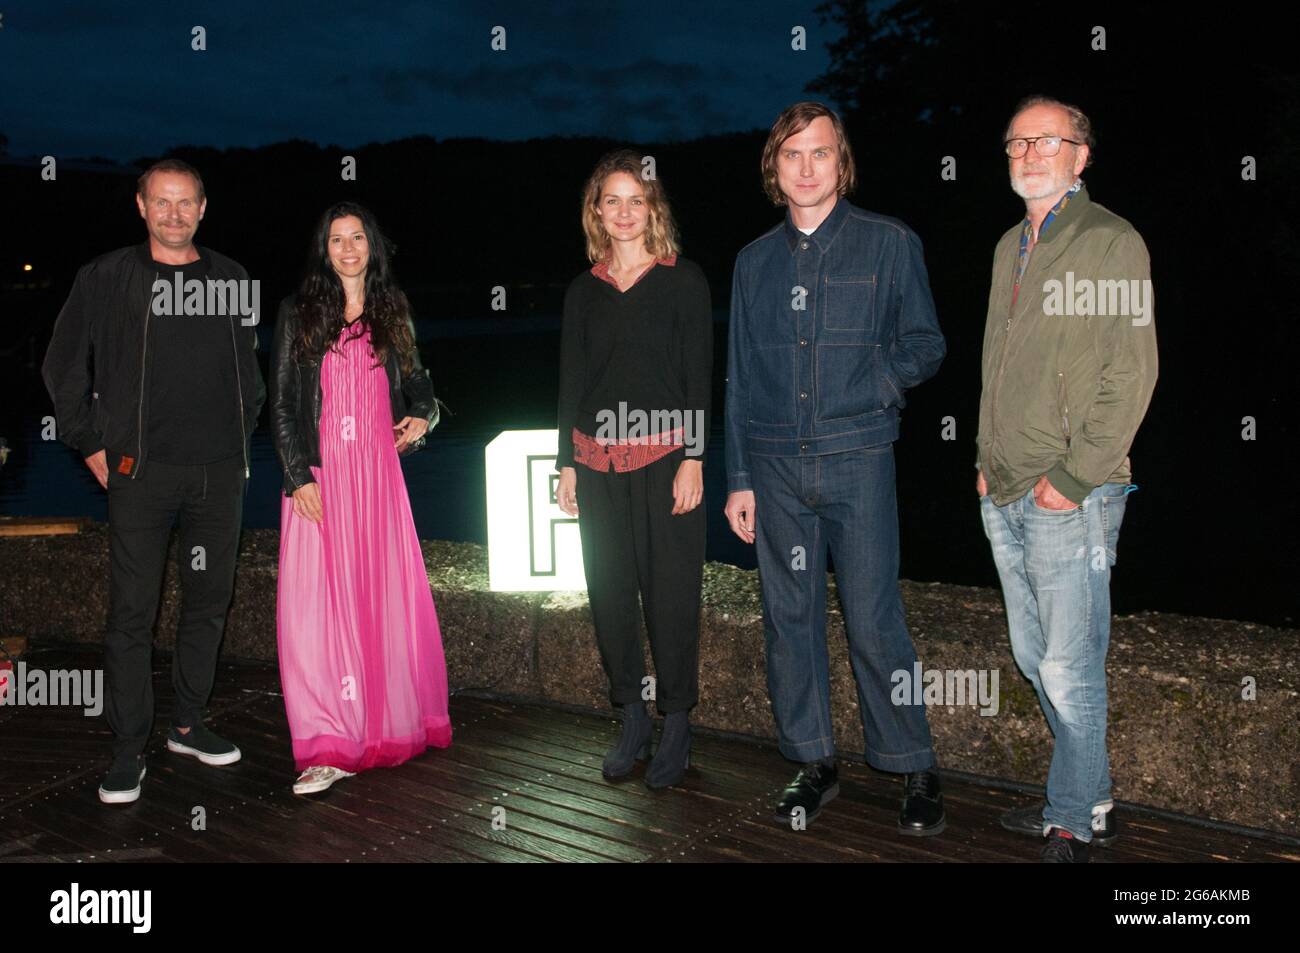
x=848 y=302
x=891 y=394
x=774 y=402
x=847 y=381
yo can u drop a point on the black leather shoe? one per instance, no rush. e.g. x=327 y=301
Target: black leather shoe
x=633 y=744
x=922 y=814
x=815 y=786
x=1029 y=821
x=1061 y=847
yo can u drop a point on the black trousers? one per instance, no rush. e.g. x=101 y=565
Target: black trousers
x=641 y=560
x=208 y=501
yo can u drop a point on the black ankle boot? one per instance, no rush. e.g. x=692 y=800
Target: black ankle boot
x=633 y=744
x=674 y=754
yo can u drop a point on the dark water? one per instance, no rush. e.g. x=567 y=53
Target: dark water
x=1182 y=549
x=446 y=482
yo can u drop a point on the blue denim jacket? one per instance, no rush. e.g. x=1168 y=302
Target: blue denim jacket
x=827 y=332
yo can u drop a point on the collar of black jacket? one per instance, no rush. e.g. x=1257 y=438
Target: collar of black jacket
x=145 y=255
x=825 y=232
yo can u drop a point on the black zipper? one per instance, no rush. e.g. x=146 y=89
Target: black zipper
x=144 y=353
x=239 y=386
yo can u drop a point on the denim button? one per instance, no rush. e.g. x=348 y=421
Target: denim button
x=803 y=446
x=803 y=343
x=803 y=244
x=803 y=396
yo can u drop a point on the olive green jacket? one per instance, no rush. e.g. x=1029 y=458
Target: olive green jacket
x=1067 y=379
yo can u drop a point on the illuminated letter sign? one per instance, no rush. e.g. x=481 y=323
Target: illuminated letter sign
x=532 y=544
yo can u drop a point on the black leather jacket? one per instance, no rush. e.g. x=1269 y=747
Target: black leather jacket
x=97 y=365
x=296 y=401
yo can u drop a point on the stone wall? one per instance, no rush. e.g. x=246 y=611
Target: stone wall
x=1182 y=736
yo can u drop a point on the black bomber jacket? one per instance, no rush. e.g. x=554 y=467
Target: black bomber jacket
x=97 y=365
x=296 y=400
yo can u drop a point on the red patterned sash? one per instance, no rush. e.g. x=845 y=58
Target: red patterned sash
x=625 y=455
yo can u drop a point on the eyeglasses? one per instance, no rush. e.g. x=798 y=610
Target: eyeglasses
x=1045 y=146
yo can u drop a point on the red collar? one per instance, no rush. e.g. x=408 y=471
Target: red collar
x=601 y=270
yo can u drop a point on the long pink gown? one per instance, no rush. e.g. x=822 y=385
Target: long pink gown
x=361 y=662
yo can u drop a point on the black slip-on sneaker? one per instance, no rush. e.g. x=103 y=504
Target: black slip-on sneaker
x=200 y=743
x=122 y=783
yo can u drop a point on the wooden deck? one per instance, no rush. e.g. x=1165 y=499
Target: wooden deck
x=535 y=769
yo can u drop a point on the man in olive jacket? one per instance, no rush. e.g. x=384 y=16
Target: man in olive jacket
x=1069 y=367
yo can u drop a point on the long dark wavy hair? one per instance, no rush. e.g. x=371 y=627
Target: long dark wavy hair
x=321 y=300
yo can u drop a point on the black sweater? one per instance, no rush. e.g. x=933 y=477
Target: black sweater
x=192 y=382
x=650 y=347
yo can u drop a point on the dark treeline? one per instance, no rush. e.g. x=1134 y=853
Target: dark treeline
x=1178 y=103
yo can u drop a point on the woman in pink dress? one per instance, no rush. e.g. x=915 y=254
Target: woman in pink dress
x=365 y=683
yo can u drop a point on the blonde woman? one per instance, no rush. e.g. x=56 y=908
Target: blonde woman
x=637 y=348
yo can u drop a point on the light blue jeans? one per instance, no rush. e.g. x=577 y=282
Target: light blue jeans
x=1055 y=571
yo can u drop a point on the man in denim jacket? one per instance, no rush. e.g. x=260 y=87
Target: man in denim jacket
x=831 y=321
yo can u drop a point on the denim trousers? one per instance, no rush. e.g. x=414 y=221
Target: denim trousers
x=1055 y=571
x=844 y=503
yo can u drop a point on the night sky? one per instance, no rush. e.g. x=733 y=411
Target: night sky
x=1178 y=102
x=121 y=80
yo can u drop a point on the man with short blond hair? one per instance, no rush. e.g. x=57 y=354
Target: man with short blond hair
x=161 y=403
